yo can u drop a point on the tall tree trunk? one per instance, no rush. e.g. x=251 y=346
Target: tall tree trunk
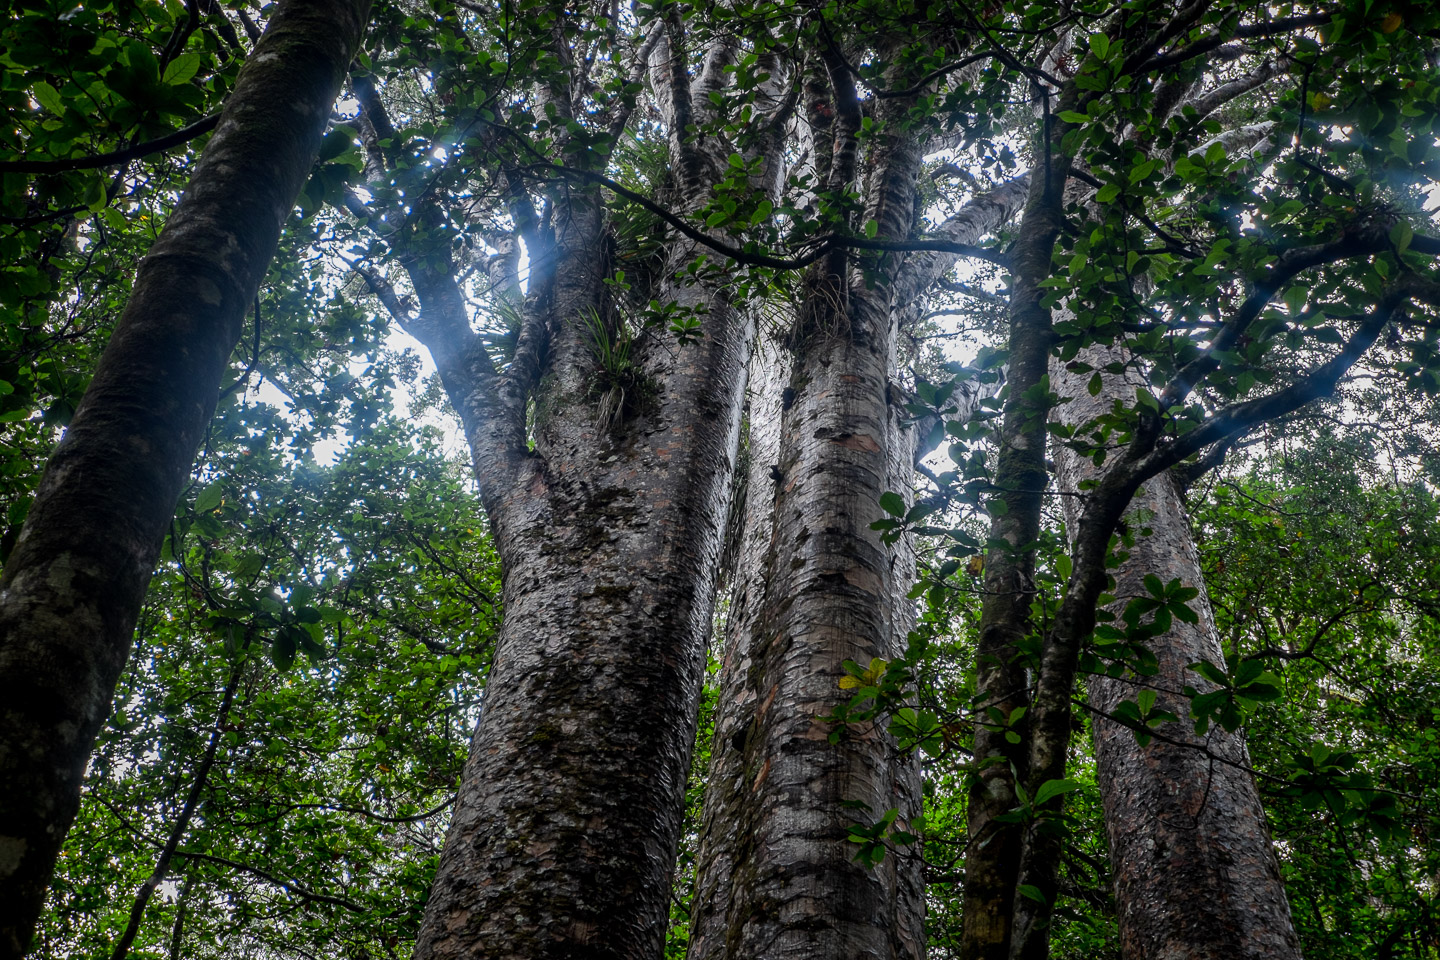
x=723 y=838
x=569 y=812
x=1195 y=872
x=993 y=855
x=777 y=873
x=610 y=533
x=74 y=584
x=794 y=889
x=730 y=814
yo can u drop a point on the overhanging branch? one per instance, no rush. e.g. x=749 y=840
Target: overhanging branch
x=1238 y=418
x=819 y=246
x=183 y=135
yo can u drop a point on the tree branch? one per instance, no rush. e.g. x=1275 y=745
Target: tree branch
x=183 y=135
x=822 y=245
x=1289 y=264
x=1250 y=31
x=182 y=823
x=289 y=886
x=1241 y=417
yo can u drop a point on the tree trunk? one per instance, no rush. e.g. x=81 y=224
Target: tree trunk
x=74 y=584
x=610 y=533
x=723 y=836
x=569 y=812
x=1196 y=875
x=993 y=854
x=730 y=817
x=777 y=875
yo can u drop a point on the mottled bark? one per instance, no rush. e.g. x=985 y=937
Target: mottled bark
x=74 y=584
x=777 y=875
x=569 y=812
x=907 y=901
x=1195 y=872
x=610 y=533
x=795 y=889
x=722 y=836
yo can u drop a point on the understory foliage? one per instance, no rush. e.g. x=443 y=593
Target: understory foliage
x=1241 y=239
x=1320 y=554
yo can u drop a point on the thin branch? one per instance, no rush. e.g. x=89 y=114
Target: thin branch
x=182 y=823
x=822 y=245
x=244 y=379
x=921 y=85
x=1250 y=31
x=183 y=135
x=370 y=814
x=1290 y=263
x=637 y=74
x=1223 y=94
x=289 y=886
x=1241 y=417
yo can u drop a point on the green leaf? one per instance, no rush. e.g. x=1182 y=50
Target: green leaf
x=142 y=61
x=49 y=98
x=1143 y=170
x=95 y=197
x=1032 y=892
x=1295 y=298
x=872 y=228
x=1070 y=116
x=1212 y=673
x=336 y=142
x=210 y=497
x=1400 y=235
x=1107 y=193
x=182 y=68
x=1054 y=788
x=282 y=650
x=893 y=504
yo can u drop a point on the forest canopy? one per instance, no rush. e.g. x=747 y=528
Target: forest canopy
x=766 y=479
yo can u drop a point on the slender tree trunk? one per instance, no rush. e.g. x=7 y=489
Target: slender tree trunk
x=992 y=860
x=1195 y=872
x=74 y=584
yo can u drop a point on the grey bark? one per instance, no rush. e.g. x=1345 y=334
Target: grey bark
x=610 y=533
x=729 y=821
x=1195 y=871
x=723 y=833
x=74 y=584
x=569 y=810
x=777 y=876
